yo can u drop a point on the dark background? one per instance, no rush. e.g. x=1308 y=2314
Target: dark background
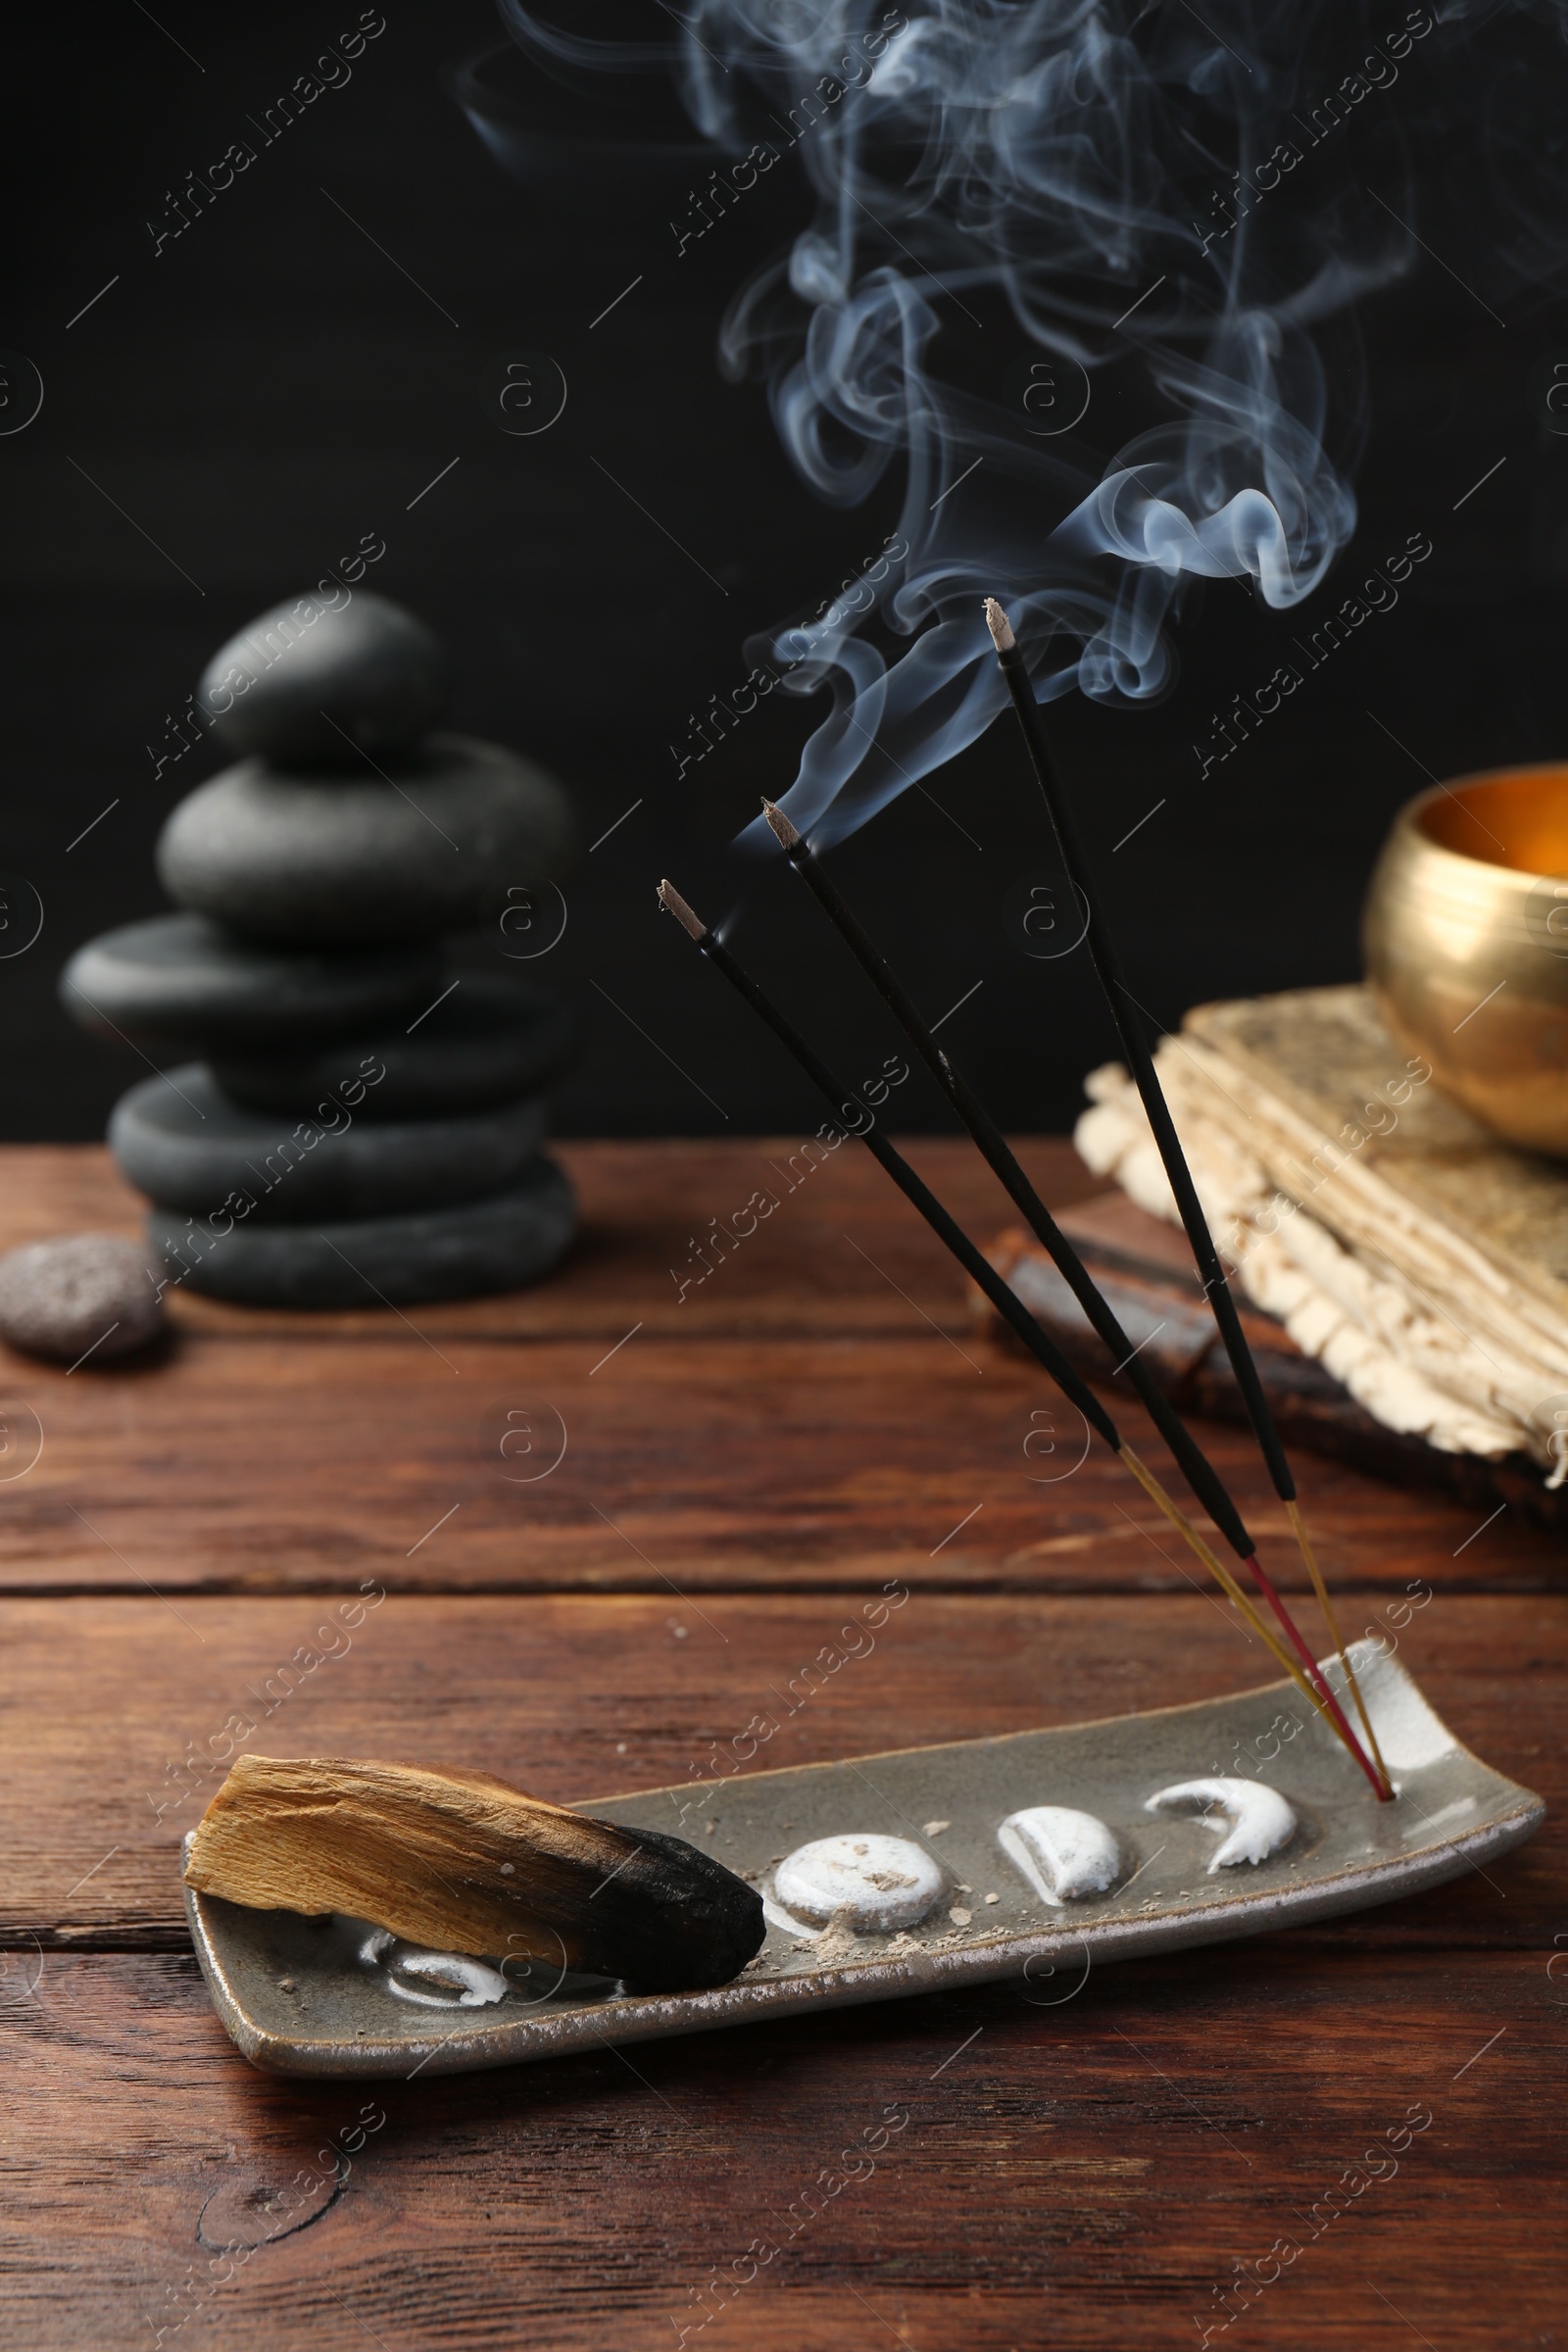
x=270 y=387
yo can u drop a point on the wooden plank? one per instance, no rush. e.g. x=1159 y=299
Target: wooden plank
x=575 y=1696
x=1090 y=2172
x=805 y=1420
x=1354 y=2149
x=259 y=1463
x=643 y=1207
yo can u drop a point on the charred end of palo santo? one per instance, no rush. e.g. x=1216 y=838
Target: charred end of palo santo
x=462 y=1862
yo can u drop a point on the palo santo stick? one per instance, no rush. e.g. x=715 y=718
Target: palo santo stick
x=463 y=1862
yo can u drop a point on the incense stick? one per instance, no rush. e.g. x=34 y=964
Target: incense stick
x=1199 y=1471
x=1141 y=1061
x=1013 y=1311
x=1293 y=1511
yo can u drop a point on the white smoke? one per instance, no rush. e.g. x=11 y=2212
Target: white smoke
x=1132 y=186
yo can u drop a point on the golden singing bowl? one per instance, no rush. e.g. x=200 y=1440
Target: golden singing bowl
x=1466 y=939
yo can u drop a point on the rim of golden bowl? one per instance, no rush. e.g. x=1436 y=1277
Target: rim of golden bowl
x=1528 y=810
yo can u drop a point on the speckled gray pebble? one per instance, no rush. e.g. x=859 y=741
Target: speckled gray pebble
x=498 y=1244
x=181 y=1141
x=86 y=1294
x=181 y=977
x=368 y=861
x=326 y=681
x=486 y=1042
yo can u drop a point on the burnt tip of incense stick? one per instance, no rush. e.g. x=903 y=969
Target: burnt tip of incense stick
x=997 y=622
x=790 y=836
x=672 y=903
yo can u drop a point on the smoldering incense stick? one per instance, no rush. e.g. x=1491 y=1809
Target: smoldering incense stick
x=1199 y=1471
x=843 y=1102
x=1108 y=967
x=1141 y=1061
x=1006 y=1302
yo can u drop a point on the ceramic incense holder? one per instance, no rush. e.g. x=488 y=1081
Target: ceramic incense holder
x=1099 y=1841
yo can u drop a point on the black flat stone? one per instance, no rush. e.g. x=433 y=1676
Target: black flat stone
x=486 y=1043
x=317 y=680
x=179 y=976
x=357 y=862
x=498 y=1244
x=182 y=1142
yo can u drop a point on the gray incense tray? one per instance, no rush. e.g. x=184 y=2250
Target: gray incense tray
x=300 y=1997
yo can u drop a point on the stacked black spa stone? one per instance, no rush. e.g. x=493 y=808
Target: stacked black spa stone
x=362 y=1120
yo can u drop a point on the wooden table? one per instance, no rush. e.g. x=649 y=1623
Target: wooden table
x=815 y=1420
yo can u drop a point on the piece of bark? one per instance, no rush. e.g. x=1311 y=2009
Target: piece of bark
x=463 y=1862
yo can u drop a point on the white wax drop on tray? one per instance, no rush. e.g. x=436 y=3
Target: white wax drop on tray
x=440 y=1979
x=1064 y=1854
x=1253 y=1822
x=879 y=1883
